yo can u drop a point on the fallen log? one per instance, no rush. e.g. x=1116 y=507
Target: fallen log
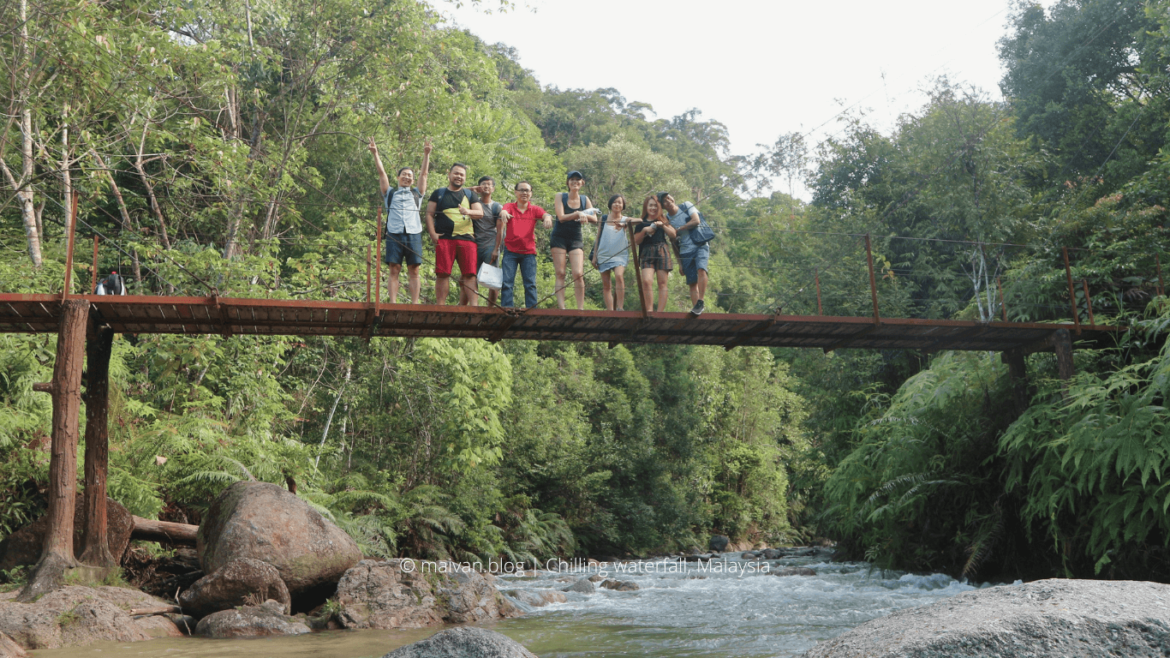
x=164 y=532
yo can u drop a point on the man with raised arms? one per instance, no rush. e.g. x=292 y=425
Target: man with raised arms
x=403 y=226
x=450 y=214
x=520 y=244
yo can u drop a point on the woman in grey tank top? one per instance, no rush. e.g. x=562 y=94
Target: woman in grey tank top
x=612 y=254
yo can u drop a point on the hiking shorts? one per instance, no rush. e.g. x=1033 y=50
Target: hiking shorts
x=447 y=252
x=693 y=261
x=403 y=247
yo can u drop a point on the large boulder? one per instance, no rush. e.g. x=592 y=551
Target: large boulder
x=1046 y=618
x=537 y=597
x=23 y=547
x=243 y=581
x=268 y=523
x=412 y=594
x=76 y=616
x=262 y=620
x=582 y=586
x=467 y=642
x=718 y=543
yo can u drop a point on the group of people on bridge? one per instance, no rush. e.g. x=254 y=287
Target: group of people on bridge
x=469 y=228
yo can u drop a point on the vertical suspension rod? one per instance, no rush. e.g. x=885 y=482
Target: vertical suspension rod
x=1072 y=295
x=877 y=318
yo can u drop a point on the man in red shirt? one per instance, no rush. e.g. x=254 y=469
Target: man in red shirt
x=520 y=244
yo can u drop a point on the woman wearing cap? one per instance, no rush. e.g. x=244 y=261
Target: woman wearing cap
x=612 y=254
x=572 y=210
x=653 y=253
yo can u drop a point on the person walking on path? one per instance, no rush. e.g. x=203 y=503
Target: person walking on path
x=654 y=254
x=693 y=258
x=450 y=212
x=403 y=205
x=489 y=229
x=572 y=209
x=611 y=254
x=520 y=244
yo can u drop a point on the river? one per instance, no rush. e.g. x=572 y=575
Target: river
x=722 y=608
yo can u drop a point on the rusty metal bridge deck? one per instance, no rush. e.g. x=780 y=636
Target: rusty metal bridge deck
x=265 y=317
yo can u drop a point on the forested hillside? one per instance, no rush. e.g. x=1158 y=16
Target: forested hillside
x=222 y=145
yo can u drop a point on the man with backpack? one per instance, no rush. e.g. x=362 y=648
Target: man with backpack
x=489 y=229
x=692 y=257
x=403 y=226
x=451 y=212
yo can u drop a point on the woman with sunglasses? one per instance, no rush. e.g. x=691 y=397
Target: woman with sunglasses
x=611 y=254
x=572 y=210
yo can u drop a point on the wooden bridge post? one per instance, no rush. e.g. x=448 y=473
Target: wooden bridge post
x=1062 y=344
x=97 y=447
x=1002 y=305
x=1018 y=370
x=57 y=554
x=93 y=286
x=817 y=278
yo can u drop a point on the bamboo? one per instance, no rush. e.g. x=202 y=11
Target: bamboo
x=877 y=318
x=69 y=249
x=1072 y=295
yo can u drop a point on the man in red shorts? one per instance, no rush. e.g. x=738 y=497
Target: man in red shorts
x=449 y=213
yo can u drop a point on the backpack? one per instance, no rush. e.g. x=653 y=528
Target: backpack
x=111 y=285
x=565 y=201
x=701 y=234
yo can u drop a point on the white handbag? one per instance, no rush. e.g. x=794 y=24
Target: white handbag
x=490 y=276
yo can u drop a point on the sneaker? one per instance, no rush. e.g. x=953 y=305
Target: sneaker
x=697 y=310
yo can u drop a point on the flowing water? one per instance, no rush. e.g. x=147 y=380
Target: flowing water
x=727 y=608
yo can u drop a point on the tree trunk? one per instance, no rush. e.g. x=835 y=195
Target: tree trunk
x=97 y=448
x=57 y=554
x=24 y=191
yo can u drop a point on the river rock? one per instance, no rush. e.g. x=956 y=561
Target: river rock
x=749 y=555
x=262 y=620
x=76 y=616
x=268 y=523
x=23 y=547
x=537 y=597
x=243 y=581
x=620 y=585
x=383 y=594
x=596 y=578
x=583 y=586
x=10 y=649
x=794 y=571
x=466 y=642
x=718 y=543
x=1042 y=619
x=771 y=554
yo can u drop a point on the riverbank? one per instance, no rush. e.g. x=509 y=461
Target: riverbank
x=729 y=606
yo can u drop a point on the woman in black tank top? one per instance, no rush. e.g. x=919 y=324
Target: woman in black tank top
x=567 y=241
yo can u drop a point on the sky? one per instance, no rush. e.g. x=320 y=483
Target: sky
x=762 y=68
